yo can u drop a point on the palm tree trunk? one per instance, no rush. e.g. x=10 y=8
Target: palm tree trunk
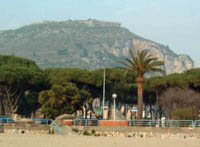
x=140 y=86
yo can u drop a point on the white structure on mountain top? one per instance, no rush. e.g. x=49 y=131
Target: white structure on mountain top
x=98 y=23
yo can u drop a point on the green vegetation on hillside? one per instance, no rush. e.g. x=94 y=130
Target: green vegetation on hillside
x=71 y=44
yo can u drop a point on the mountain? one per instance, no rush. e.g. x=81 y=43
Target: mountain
x=83 y=44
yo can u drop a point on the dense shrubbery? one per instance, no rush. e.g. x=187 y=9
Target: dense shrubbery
x=74 y=89
x=175 y=88
x=20 y=82
x=176 y=101
x=185 y=113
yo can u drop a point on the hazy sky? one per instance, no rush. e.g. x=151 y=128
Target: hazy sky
x=171 y=22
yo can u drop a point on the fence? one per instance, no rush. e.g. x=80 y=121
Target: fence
x=42 y=121
x=4 y=120
x=86 y=122
x=37 y=122
x=131 y=123
x=165 y=123
x=143 y=123
x=178 y=123
x=197 y=123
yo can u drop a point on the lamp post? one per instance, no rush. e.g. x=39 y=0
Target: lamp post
x=104 y=87
x=114 y=96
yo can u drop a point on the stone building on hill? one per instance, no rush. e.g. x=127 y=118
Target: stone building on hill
x=94 y=22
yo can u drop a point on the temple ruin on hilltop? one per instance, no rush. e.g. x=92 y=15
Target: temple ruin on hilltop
x=94 y=22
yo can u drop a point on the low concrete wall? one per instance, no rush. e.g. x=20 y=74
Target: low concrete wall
x=142 y=129
x=111 y=123
x=101 y=123
x=26 y=128
x=67 y=122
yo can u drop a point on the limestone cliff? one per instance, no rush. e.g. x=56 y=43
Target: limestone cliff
x=173 y=62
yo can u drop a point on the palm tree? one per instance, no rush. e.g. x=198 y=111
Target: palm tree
x=142 y=62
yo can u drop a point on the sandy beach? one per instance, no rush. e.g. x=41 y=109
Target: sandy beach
x=38 y=140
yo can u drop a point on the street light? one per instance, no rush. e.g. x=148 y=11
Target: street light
x=114 y=96
x=104 y=87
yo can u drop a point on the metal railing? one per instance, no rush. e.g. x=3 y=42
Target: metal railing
x=5 y=120
x=196 y=123
x=164 y=123
x=95 y=122
x=86 y=122
x=57 y=129
x=178 y=123
x=42 y=121
x=47 y=122
x=144 y=123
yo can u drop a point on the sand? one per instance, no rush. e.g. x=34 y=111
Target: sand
x=37 y=140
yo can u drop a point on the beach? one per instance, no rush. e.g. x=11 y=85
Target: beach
x=39 y=140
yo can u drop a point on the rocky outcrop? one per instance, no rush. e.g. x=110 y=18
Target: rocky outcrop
x=173 y=63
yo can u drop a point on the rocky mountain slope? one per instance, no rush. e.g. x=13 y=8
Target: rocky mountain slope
x=83 y=44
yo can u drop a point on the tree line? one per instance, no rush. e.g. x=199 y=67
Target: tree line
x=25 y=89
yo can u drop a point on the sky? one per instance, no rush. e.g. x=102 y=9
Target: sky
x=175 y=23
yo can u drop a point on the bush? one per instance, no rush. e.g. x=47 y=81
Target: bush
x=97 y=135
x=93 y=132
x=180 y=103
x=86 y=133
x=75 y=130
x=186 y=113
